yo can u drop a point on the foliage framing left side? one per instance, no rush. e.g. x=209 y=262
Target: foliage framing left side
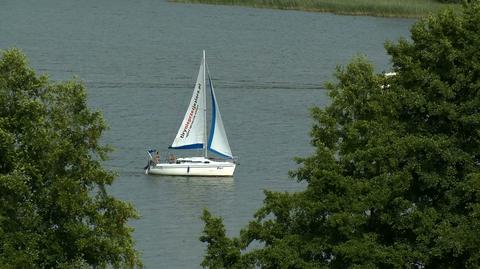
x=54 y=209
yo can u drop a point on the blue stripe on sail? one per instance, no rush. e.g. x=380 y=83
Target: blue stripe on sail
x=192 y=146
x=221 y=154
x=214 y=116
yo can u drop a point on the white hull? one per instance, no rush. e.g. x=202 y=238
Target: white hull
x=183 y=168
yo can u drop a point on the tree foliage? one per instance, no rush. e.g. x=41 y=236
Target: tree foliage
x=395 y=178
x=54 y=209
x=451 y=1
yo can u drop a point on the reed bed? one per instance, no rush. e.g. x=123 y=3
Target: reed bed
x=383 y=8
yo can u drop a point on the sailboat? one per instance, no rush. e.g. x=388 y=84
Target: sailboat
x=192 y=134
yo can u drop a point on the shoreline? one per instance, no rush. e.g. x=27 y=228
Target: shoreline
x=409 y=9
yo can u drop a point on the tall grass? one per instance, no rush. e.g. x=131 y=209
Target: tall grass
x=384 y=8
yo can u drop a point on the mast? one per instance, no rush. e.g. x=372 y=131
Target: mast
x=204 y=109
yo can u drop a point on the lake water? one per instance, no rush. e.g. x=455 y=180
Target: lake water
x=139 y=60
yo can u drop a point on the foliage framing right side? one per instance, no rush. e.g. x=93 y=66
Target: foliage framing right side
x=395 y=179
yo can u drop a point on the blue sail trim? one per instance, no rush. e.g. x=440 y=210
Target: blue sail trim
x=214 y=116
x=221 y=154
x=192 y=146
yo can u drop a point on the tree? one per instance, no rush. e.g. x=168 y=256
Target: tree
x=54 y=209
x=395 y=178
x=450 y=1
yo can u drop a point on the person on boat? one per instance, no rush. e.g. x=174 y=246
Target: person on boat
x=157 y=157
x=172 y=158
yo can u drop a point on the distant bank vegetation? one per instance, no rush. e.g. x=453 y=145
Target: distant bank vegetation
x=383 y=8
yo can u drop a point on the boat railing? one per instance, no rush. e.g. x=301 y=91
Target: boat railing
x=233 y=160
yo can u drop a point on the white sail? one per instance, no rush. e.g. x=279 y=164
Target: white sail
x=217 y=141
x=191 y=134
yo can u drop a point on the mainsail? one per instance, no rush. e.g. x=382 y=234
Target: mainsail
x=191 y=134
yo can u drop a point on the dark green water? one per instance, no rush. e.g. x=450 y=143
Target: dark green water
x=139 y=60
